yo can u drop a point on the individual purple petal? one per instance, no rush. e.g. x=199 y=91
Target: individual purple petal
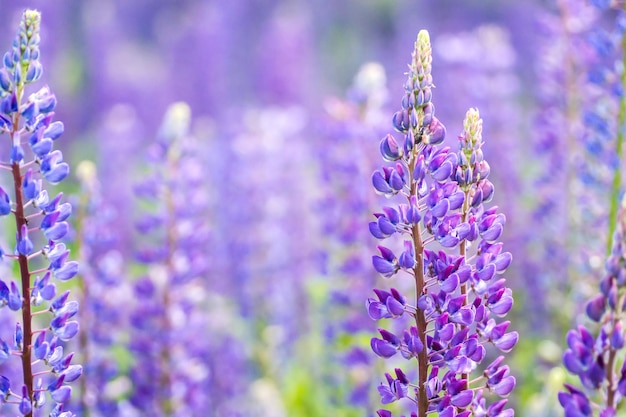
x=441 y=208
x=5 y=203
x=15 y=298
x=443 y=172
x=503 y=261
x=25 y=406
x=5 y=352
x=507 y=341
x=24 y=244
x=595 y=307
x=67 y=332
x=5 y=386
x=41 y=347
x=385 y=226
x=389 y=149
x=72 y=373
x=395 y=307
x=407 y=257
x=62 y=394
x=67 y=271
x=505 y=386
x=375 y=231
x=380 y=184
x=463 y=398
x=487 y=272
x=617 y=336
x=377 y=310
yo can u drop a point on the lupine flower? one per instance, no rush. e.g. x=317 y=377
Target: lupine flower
x=579 y=93
x=170 y=374
x=28 y=121
x=460 y=296
x=103 y=293
x=342 y=208
x=595 y=357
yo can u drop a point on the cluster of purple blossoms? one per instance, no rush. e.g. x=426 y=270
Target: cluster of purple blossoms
x=598 y=361
x=102 y=293
x=344 y=206
x=47 y=317
x=170 y=373
x=461 y=296
x=579 y=91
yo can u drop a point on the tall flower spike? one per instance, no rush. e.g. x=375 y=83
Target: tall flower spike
x=41 y=225
x=103 y=291
x=341 y=205
x=595 y=360
x=171 y=371
x=458 y=303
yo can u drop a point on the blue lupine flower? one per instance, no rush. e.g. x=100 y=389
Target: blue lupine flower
x=594 y=359
x=102 y=294
x=42 y=359
x=456 y=300
x=171 y=370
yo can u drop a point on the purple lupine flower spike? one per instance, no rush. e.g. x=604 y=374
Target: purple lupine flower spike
x=596 y=359
x=102 y=293
x=171 y=373
x=460 y=296
x=40 y=223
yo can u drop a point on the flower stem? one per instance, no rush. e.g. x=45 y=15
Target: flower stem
x=420 y=319
x=619 y=146
x=20 y=220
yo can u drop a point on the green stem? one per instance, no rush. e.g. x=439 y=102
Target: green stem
x=619 y=146
x=20 y=220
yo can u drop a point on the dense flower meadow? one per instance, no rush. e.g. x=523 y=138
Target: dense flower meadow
x=312 y=208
